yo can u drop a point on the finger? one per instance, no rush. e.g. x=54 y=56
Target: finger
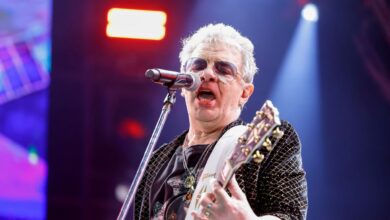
x=221 y=195
x=205 y=211
x=206 y=204
x=235 y=189
x=198 y=216
x=206 y=207
x=206 y=199
x=210 y=196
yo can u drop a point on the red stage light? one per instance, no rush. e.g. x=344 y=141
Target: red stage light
x=132 y=128
x=137 y=24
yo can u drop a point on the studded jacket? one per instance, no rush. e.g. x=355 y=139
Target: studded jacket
x=278 y=187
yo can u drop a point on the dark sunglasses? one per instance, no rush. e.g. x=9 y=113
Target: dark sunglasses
x=222 y=68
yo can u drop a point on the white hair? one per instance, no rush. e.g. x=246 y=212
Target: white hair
x=221 y=33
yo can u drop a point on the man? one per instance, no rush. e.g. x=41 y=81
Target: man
x=277 y=190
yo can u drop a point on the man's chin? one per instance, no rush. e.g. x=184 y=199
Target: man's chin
x=207 y=116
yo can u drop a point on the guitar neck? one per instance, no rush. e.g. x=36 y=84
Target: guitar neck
x=225 y=174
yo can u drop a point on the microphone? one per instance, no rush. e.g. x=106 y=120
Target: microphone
x=173 y=79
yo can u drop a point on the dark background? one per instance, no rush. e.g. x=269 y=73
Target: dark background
x=102 y=109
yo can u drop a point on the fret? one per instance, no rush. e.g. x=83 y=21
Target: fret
x=225 y=173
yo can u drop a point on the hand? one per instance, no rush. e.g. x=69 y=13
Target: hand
x=219 y=205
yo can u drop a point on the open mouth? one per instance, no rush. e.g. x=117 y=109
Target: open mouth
x=206 y=95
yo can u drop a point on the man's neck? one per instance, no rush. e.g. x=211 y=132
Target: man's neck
x=200 y=136
x=204 y=132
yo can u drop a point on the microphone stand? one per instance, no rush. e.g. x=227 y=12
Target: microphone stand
x=169 y=100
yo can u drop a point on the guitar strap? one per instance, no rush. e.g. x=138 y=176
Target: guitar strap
x=218 y=156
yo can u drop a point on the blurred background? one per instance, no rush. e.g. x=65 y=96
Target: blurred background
x=76 y=111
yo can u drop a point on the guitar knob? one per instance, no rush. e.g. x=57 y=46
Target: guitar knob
x=277 y=133
x=260 y=114
x=245 y=150
x=258 y=157
x=266 y=127
x=267 y=144
x=242 y=140
x=256 y=139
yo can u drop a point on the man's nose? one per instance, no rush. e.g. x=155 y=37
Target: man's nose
x=208 y=74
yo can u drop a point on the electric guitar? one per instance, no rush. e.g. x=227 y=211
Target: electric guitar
x=237 y=146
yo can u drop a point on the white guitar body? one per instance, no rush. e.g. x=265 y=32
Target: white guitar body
x=222 y=150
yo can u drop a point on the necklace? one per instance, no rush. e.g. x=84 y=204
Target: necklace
x=191 y=174
x=189 y=181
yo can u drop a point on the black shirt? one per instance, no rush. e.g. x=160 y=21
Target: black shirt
x=168 y=201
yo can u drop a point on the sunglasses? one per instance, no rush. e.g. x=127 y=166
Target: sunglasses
x=226 y=71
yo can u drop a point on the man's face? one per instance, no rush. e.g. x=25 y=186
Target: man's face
x=218 y=98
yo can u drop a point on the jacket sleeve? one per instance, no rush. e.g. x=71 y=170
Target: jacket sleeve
x=282 y=186
x=141 y=200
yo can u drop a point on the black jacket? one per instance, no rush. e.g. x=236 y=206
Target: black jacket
x=277 y=188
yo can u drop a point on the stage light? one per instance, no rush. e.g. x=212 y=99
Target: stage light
x=121 y=192
x=310 y=12
x=132 y=128
x=137 y=24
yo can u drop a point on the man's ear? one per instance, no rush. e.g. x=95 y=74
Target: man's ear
x=246 y=93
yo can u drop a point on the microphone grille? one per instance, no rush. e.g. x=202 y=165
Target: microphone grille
x=195 y=82
x=152 y=74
